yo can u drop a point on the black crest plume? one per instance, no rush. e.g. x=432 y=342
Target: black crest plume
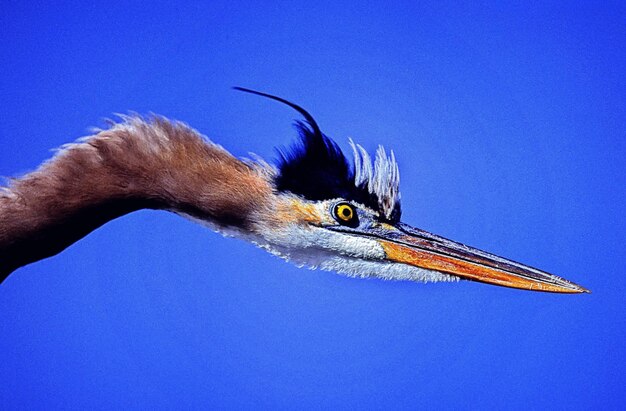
x=317 y=169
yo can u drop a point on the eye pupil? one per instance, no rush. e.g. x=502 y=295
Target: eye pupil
x=344 y=213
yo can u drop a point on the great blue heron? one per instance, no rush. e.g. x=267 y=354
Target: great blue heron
x=313 y=208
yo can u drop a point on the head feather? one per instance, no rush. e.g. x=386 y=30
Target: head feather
x=316 y=168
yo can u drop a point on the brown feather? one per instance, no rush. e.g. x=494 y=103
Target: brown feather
x=135 y=164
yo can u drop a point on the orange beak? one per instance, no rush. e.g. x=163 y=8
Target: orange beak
x=419 y=248
x=408 y=245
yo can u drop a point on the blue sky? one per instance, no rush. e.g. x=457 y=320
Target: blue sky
x=509 y=124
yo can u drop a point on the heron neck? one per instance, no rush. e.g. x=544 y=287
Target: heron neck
x=133 y=165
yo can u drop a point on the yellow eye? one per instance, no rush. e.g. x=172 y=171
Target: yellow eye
x=344 y=213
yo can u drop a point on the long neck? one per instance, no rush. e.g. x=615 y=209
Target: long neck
x=133 y=165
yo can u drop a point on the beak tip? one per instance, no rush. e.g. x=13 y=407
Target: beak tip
x=569 y=287
x=578 y=289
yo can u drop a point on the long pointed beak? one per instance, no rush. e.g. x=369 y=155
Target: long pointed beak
x=408 y=245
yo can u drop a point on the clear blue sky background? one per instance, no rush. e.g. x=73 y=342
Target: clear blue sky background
x=509 y=123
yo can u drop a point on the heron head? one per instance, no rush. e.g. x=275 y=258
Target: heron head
x=340 y=216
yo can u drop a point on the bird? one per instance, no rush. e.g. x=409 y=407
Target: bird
x=312 y=206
